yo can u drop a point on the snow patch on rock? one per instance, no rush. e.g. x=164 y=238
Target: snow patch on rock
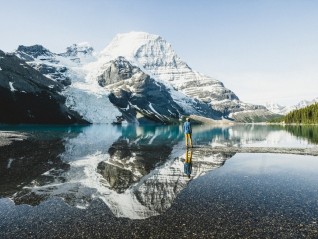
x=11 y=86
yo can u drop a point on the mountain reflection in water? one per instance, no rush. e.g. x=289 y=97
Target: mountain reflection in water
x=137 y=171
x=145 y=183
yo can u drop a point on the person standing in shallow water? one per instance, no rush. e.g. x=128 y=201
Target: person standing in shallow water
x=188 y=132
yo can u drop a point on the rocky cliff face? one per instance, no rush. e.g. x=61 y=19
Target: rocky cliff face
x=118 y=70
x=138 y=95
x=26 y=96
x=46 y=62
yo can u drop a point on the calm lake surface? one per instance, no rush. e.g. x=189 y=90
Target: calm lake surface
x=105 y=181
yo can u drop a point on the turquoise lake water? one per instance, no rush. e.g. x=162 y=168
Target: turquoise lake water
x=289 y=136
x=128 y=181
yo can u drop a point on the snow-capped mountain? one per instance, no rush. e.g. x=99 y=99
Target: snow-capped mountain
x=304 y=103
x=116 y=86
x=136 y=67
x=283 y=110
x=156 y=57
x=276 y=108
x=27 y=96
x=45 y=62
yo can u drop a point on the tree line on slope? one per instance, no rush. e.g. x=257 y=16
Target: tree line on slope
x=306 y=115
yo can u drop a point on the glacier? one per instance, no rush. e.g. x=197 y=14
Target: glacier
x=80 y=69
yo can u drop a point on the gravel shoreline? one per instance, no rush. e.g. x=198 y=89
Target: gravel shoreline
x=275 y=150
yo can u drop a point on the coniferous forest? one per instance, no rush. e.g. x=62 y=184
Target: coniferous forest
x=307 y=115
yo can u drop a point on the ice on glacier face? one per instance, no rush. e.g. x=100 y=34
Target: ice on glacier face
x=82 y=93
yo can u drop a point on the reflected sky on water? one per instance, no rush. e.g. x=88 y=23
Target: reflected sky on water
x=138 y=172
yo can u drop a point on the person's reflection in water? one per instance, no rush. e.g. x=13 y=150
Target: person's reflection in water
x=188 y=163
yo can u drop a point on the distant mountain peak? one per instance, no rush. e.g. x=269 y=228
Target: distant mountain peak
x=136 y=37
x=34 y=51
x=80 y=48
x=283 y=110
x=276 y=108
x=130 y=44
x=137 y=34
x=80 y=53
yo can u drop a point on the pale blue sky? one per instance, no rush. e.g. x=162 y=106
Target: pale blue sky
x=263 y=50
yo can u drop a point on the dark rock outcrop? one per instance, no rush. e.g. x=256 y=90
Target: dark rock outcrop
x=32 y=52
x=133 y=92
x=150 y=99
x=119 y=70
x=26 y=96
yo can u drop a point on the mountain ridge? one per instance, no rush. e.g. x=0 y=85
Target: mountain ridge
x=80 y=69
x=284 y=110
x=157 y=58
